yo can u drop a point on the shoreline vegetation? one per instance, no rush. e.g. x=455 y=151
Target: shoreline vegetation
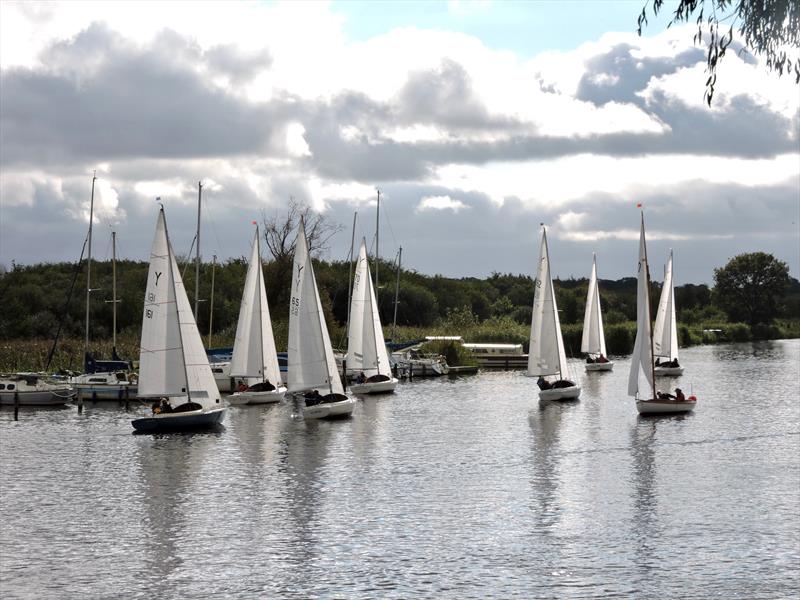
x=41 y=300
x=31 y=354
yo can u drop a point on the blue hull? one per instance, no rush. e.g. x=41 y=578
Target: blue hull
x=180 y=422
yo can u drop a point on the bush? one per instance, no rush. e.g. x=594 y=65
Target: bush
x=454 y=353
x=620 y=338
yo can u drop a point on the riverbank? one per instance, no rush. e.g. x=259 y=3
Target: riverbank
x=31 y=354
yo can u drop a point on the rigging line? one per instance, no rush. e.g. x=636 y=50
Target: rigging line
x=389 y=222
x=66 y=304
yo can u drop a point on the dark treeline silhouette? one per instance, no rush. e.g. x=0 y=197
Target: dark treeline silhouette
x=33 y=297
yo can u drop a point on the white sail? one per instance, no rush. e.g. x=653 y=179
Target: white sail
x=642 y=357
x=546 y=354
x=254 y=353
x=593 y=340
x=311 y=361
x=366 y=348
x=665 y=332
x=172 y=361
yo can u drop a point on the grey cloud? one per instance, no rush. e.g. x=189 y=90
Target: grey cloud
x=132 y=104
x=239 y=66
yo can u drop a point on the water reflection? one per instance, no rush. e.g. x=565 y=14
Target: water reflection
x=168 y=466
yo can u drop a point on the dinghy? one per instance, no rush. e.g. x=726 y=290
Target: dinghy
x=546 y=357
x=593 y=342
x=173 y=366
x=366 y=348
x=255 y=360
x=665 y=333
x=642 y=357
x=313 y=376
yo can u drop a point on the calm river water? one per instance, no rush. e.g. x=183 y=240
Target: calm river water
x=461 y=487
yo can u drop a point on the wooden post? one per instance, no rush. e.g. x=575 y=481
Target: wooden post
x=16 y=405
x=344 y=374
x=80 y=401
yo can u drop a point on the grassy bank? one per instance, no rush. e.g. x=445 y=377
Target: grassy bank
x=31 y=354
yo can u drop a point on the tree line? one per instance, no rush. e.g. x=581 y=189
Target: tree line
x=753 y=289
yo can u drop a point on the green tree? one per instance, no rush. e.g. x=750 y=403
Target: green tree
x=749 y=286
x=768 y=28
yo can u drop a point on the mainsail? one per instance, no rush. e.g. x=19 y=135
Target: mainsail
x=366 y=348
x=642 y=357
x=546 y=354
x=593 y=340
x=665 y=334
x=311 y=361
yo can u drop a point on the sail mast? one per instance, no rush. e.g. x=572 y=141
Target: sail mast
x=259 y=285
x=350 y=274
x=211 y=306
x=170 y=261
x=647 y=274
x=89 y=265
x=377 y=239
x=114 y=286
x=197 y=255
x=397 y=289
x=553 y=298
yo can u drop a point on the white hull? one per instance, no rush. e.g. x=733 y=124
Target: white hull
x=240 y=398
x=54 y=397
x=572 y=392
x=669 y=371
x=330 y=409
x=607 y=366
x=379 y=387
x=662 y=407
x=222 y=376
x=99 y=391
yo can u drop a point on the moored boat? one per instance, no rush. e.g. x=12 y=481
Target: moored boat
x=33 y=389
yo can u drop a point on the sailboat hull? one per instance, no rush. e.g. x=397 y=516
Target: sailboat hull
x=664 y=407
x=572 y=392
x=330 y=410
x=186 y=421
x=379 y=387
x=669 y=371
x=607 y=366
x=247 y=397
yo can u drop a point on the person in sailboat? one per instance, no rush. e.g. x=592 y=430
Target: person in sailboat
x=241 y=386
x=543 y=383
x=165 y=406
x=563 y=383
x=602 y=359
x=679 y=395
x=361 y=377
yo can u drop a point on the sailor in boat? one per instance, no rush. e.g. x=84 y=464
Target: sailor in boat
x=161 y=407
x=313 y=398
x=241 y=386
x=600 y=359
x=543 y=383
x=361 y=377
x=679 y=395
x=264 y=386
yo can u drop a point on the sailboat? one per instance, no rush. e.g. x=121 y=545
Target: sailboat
x=172 y=362
x=665 y=333
x=366 y=348
x=546 y=355
x=102 y=379
x=312 y=365
x=254 y=356
x=642 y=358
x=593 y=341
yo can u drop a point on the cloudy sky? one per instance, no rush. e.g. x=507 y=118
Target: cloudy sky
x=476 y=120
